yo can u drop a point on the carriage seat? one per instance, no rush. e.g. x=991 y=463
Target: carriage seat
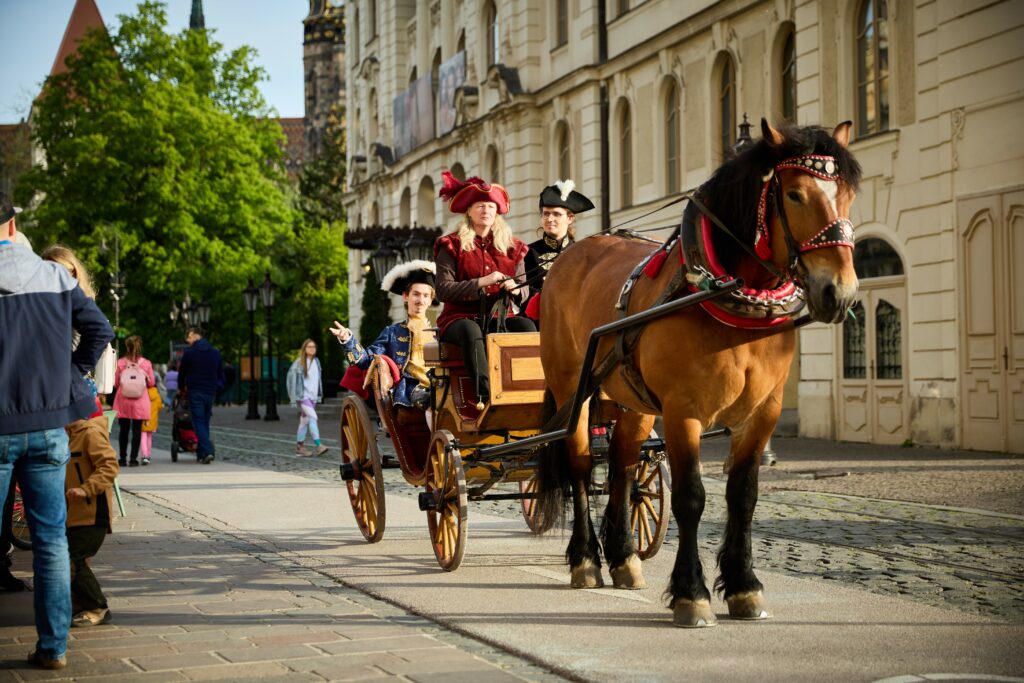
x=438 y=354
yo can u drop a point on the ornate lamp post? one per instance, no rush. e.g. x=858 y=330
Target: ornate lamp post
x=251 y=301
x=384 y=259
x=203 y=309
x=267 y=289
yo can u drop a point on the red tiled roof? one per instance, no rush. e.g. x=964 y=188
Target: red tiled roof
x=84 y=16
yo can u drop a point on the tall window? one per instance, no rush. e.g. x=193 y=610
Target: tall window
x=788 y=77
x=493 y=165
x=872 y=67
x=563 y=151
x=371 y=20
x=354 y=35
x=626 y=155
x=672 y=137
x=493 y=37
x=622 y=6
x=561 y=22
x=412 y=76
x=460 y=45
x=726 y=106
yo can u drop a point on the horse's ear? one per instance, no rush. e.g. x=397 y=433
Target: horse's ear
x=771 y=136
x=842 y=133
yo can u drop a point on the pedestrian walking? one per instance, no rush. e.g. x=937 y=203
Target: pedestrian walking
x=305 y=390
x=171 y=383
x=89 y=484
x=40 y=305
x=149 y=426
x=132 y=381
x=200 y=373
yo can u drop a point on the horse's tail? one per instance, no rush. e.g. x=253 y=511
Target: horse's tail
x=552 y=474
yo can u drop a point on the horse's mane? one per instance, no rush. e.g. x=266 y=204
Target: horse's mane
x=734 y=190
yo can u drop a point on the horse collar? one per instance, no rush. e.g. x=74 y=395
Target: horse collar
x=837 y=233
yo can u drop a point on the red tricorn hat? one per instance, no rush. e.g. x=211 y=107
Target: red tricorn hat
x=462 y=194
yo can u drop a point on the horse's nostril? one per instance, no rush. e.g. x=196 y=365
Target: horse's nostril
x=828 y=295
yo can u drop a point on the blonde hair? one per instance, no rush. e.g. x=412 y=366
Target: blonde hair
x=58 y=253
x=500 y=233
x=304 y=358
x=133 y=347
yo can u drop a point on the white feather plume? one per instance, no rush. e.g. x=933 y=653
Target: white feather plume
x=565 y=187
x=404 y=269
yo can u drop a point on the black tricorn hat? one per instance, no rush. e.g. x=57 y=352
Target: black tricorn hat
x=563 y=193
x=404 y=275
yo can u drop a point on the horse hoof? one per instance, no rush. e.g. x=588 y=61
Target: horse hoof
x=586 y=575
x=693 y=614
x=629 y=575
x=749 y=606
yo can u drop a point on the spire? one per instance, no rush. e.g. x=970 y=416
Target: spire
x=84 y=16
x=197 y=21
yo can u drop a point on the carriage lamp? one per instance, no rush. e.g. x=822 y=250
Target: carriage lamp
x=252 y=298
x=267 y=289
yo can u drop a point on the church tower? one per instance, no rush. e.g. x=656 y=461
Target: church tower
x=196 y=20
x=323 y=56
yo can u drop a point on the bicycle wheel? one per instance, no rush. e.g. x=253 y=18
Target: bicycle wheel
x=20 y=535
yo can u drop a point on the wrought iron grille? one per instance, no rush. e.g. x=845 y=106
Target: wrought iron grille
x=854 y=351
x=888 y=341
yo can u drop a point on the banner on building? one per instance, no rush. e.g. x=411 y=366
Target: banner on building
x=414 y=117
x=451 y=75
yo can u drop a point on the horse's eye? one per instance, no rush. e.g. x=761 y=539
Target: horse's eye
x=794 y=196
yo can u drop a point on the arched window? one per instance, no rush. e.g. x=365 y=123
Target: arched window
x=354 y=35
x=493 y=165
x=726 y=105
x=872 y=67
x=405 y=207
x=412 y=76
x=458 y=171
x=625 y=155
x=435 y=79
x=672 y=137
x=373 y=117
x=493 y=35
x=874 y=257
x=563 y=151
x=425 y=202
x=460 y=44
x=787 y=77
x=561 y=22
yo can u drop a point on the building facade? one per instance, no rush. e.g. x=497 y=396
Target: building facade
x=637 y=101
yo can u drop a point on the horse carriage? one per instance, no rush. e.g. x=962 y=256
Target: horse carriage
x=701 y=332
x=447 y=459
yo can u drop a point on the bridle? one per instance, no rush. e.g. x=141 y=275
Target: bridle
x=838 y=233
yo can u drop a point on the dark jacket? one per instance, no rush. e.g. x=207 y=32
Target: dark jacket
x=541 y=257
x=392 y=342
x=201 y=370
x=41 y=385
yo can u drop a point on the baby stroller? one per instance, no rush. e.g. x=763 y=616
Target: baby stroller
x=183 y=437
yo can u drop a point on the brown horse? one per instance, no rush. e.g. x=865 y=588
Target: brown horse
x=697 y=371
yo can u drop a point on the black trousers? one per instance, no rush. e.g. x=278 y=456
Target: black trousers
x=83 y=543
x=135 y=426
x=470 y=338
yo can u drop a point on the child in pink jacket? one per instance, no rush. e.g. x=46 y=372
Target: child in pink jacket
x=132 y=380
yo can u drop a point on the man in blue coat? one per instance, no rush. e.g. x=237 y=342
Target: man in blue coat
x=41 y=390
x=201 y=373
x=403 y=341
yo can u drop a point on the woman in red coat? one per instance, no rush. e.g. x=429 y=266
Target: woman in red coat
x=479 y=259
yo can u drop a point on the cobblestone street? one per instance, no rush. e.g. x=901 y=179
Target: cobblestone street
x=965 y=559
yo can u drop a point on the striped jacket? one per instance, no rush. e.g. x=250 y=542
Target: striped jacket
x=41 y=385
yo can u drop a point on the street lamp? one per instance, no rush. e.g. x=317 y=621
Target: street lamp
x=267 y=289
x=384 y=259
x=251 y=301
x=203 y=309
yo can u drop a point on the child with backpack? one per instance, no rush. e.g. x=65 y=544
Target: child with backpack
x=150 y=425
x=132 y=380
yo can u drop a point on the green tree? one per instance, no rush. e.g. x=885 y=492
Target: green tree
x=166 y=141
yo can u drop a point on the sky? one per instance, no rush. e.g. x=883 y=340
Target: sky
x=32 y=31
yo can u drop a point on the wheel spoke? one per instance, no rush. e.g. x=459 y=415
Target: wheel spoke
x=650 y=478
x=634 y=519
x=645 y=526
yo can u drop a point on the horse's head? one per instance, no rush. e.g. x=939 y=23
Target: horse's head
x=804 y=225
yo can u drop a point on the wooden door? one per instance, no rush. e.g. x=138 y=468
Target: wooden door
x=992 y=359
x=872 y=385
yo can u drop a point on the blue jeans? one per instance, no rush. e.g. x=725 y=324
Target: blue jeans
x=39 y=460
x=201 y=406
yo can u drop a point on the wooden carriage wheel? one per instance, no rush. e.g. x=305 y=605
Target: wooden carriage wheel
x=361 y=469
x=447 y=517
x=531 y=513
x=649 y=506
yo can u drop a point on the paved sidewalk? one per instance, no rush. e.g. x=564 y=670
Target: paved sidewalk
x=194 y=603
